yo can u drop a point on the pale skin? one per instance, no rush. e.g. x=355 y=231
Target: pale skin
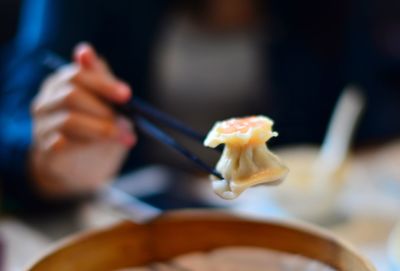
x=79 y=142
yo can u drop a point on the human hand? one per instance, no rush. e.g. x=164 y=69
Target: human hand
x=79 y=142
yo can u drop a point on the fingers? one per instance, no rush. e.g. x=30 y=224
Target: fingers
x=85 y=127
x=73 y=98
x=54 y=143
x=75 y=126
x=75 y=103
x=86 y=56
x=80 y=115
x=78 y=126
x=58 y=141
x=95 y=75
x=127 y=136
x=82 y=128
x=102 y=85
x=91 y=73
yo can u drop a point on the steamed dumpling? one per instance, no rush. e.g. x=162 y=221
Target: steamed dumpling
x=246 y=160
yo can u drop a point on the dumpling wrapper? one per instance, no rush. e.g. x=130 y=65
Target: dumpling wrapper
x=246 y=160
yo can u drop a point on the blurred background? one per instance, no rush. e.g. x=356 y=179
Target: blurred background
x=208 y=60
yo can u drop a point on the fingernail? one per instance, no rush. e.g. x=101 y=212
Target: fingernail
x=126 y=136
x=81 y=46
x=85 y=55
x=123 y=91
x=128 y=139
x=124 y=125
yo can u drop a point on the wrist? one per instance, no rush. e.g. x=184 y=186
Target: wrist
x=45 y=183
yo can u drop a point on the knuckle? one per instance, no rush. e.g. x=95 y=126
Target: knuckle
x=38 y=132
x=61 y=76
x=70 y=96
x=36 y=107
x=67 y=120
x=57 y=144
x=38 y=103
x=49 y=82
x=106 y=83
x=107 y=130
x=74 y=74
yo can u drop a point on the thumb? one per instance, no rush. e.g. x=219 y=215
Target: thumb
x=86 y=56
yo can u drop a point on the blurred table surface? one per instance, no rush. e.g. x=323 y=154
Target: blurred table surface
x=370 y=208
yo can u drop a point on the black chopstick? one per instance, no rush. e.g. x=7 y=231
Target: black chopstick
x=153 y=131
x=151 y=112
x=139 y=110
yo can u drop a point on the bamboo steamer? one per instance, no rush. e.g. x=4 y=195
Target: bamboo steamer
x=129 y=244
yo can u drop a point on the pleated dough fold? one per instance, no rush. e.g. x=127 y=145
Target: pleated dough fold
x=246 y=160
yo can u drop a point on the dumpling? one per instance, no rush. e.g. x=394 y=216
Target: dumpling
x=246 y=161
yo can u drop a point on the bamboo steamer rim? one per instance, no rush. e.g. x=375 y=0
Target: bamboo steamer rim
x=207 y=216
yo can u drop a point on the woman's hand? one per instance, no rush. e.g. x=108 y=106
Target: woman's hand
x=79 y=142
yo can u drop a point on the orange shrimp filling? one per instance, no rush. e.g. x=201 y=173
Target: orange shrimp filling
x=241 y=125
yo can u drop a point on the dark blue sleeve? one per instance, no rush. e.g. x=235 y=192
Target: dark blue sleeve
x=122 y=31
x=55 y=25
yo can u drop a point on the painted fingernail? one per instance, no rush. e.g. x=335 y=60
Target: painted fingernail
x=126 y=136
x=85 y=55
x=128 y=139
x=123 y=91
x=81 y=46
x=124 y=125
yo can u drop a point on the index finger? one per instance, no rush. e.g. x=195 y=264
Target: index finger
x=102 y=84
